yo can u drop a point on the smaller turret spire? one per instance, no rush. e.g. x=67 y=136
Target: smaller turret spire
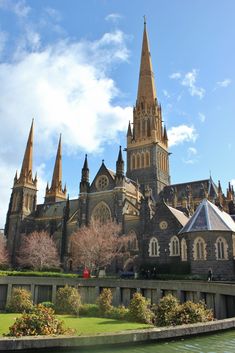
x=56 y=193
x=85 y=171
x=120 y=164
x=129 y=133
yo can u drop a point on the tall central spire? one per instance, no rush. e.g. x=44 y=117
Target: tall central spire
x=146 y=88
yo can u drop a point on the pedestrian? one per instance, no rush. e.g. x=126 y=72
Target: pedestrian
x=209 y=275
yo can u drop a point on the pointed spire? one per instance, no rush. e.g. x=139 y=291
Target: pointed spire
x=85 y=171
x=129 y=133
x=56 y=193
x=120 y=164
x=57 y=173
x=27 y=165
x=165 y=134
x=146 y=88
x=219 y=187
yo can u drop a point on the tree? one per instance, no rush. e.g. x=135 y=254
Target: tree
x=3 y=250
x=97 y=245
x=38 y=251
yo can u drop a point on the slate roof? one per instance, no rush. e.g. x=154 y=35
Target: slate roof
x=196 y=188
x=55 y=210
x=209 y=217
x=182 y=218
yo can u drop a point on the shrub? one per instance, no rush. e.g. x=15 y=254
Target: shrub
x=41 y=321
x=119 y=313
x=190 y=313
x=68 y=300
x=170 y=312
x=89 y=310
x=104 y=300
x=167 y=311
x=20 y=301
x=139 y=309
x=48 y=305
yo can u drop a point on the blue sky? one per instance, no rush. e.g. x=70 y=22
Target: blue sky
x=74 y=65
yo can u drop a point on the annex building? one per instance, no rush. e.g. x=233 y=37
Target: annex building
x=175 y=227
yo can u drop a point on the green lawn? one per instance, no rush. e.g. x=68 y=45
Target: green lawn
x=82 y=325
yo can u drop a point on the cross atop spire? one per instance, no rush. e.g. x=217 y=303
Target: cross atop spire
x=146 y=88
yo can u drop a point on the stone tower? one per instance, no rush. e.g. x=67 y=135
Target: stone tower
x=23 y=199
x=147 y=142
x=56 y=193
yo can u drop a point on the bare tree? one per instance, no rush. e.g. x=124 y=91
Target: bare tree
x=97 y=245
x=38 y=251
x=3 y=250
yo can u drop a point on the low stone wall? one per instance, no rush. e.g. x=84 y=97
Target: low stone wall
x=155 y=334
x=218 y=296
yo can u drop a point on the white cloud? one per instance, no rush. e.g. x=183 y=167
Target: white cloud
x=182 y=133
x=202 y=117
x=233 y=182
x=3 y=40
x=175 y=76
x=113 y=17
x=189 y=81
x=225 y=83
x=68 y=89
x=19 y=8
x=166 y=94
x=191 y=156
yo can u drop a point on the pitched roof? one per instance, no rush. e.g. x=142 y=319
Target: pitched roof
x=209 y=217
x=197 y=189
x=182 y=218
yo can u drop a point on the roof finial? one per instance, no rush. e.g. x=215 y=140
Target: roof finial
x=144 y=20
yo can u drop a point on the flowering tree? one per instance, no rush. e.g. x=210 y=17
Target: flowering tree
x=97 y=245
x=3 y=250
x=38 y=251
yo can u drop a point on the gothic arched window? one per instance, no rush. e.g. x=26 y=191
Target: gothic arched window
x=184 y=256
x=221 y=249
x=133 y=161
x=133 y=242
x=147 y=159
x=101 y=212
x=199 y=249
x=142 y=160
x=154 y=247
x=174 y=246
x=138 y=161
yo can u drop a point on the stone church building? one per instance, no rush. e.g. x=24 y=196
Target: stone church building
x=160 y=216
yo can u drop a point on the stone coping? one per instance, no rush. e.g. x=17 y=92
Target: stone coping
x=129 y=336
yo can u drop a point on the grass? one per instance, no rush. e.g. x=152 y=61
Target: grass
x=82 y=325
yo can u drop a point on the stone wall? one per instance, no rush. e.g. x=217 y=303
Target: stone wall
x=218 y=296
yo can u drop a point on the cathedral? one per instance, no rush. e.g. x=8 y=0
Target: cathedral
x=183 y=228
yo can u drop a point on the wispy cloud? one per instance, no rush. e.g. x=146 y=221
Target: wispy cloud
x=202 y=117
x=166 y=94
x=113 y=17
x=191 y=156
x=175 y=76
x=225 y=83
x=189 y=80
x=19 y=8
x=182 y=133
